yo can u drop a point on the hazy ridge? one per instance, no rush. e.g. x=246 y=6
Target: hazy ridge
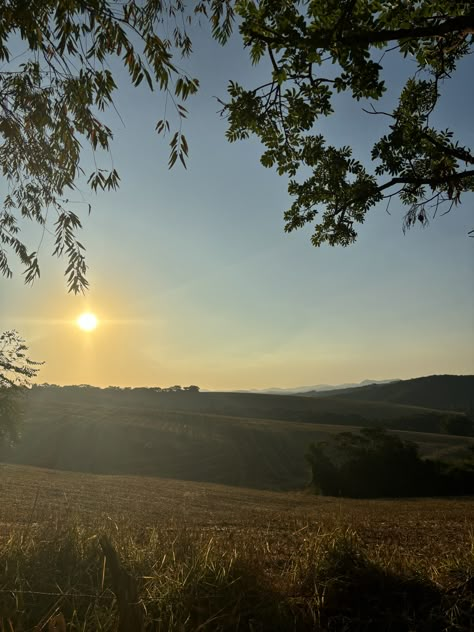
x=245 y=439
x=444 y=392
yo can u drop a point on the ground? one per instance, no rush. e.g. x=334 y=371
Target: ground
x=216 y=558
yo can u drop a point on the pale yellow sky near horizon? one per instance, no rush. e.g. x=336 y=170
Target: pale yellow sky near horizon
x=133 y=347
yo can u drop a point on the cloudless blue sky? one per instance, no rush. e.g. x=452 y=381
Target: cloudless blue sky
x=195 y=281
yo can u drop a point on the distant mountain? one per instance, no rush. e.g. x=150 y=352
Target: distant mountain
x=443 y=392
x=309 y=389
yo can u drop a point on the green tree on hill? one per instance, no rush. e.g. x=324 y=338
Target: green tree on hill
x=458 y=425
x=367 y=464
x=375 y=463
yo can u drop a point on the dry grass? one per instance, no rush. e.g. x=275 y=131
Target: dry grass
x=209 y=557
x=416 y=525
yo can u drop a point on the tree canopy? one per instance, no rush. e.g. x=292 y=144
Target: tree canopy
x=16 y=371
x=318 y=48
x=374 y=463
x=52 y=98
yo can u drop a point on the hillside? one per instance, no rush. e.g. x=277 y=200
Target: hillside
x=443 y=392
x=187 y=436
x=299 y=408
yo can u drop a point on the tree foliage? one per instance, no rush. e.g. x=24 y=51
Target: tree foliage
x=318 y=48
x=52 y=99
x=370 y=463
x=375 y=463
x=458 y=425
x=53 y=95
x=16 y=371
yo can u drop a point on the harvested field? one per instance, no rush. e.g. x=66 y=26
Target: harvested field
x=47 y=497
x=214 y=558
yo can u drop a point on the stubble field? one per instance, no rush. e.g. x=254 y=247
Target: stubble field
x=213 y=557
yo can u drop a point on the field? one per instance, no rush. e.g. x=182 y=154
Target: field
x=213 y=557
x=254 y=441
x=132 y=511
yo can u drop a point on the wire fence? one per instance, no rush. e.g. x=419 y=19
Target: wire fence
x=18 y=591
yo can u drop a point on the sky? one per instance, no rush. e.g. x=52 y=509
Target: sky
x=194 y=281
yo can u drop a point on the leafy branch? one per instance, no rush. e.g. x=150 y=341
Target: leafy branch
x=315 y=51
x=51 y=105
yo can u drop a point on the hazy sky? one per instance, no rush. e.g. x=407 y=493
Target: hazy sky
x=195 y=282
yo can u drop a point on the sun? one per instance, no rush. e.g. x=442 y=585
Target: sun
x=87 y=321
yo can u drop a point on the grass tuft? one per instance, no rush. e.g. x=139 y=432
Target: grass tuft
x=190 y=581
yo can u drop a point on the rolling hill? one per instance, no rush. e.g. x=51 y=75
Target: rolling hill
x=237 y=439
x=330 y=408
x=443 y=392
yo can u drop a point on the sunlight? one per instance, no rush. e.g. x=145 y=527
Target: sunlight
x=87 y=321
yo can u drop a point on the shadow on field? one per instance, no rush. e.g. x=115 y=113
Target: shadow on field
x=348 y=591
x=189 y=582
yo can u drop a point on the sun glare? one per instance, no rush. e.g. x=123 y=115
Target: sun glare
x=87 y=321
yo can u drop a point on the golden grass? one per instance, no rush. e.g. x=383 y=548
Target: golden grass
x=39 y=496
x=210 y=557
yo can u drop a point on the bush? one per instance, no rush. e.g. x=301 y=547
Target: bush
x=374 y=463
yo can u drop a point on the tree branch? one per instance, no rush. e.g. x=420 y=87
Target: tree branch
x=324 y=38
x=460 y=175
x=464 y=23
x=460 y=154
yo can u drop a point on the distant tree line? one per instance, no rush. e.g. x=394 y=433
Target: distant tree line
x=374 y=463
x=192 y=388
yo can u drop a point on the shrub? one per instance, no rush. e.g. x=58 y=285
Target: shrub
x=375 y=463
